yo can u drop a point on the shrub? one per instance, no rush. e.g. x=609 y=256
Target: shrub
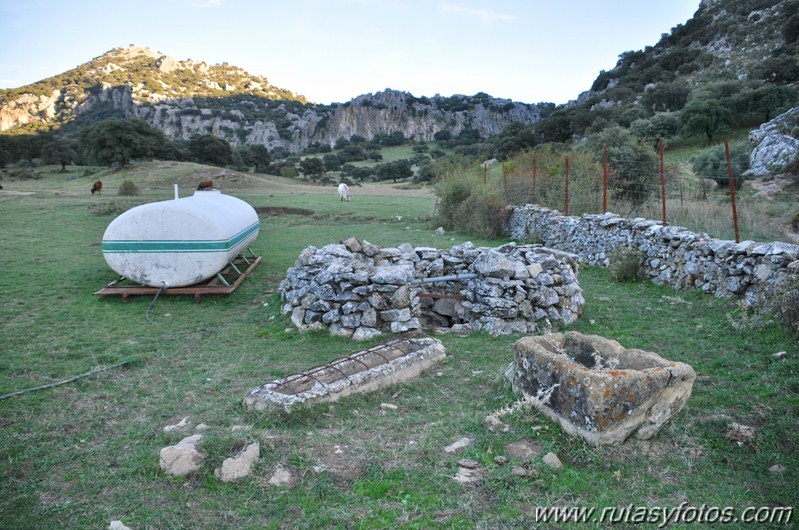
x=783 y=303
x=289 y=172
x=109 y=208
x=468 y=205
x=625 y=264
x=128 y=188
x=712 y=163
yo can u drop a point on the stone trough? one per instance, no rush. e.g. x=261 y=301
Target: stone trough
x=395 y=361
x=600 y=390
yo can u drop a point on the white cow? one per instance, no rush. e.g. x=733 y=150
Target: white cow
x=344 y=192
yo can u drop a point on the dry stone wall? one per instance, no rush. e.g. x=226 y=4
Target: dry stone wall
x=671 y=255
x=359 y=290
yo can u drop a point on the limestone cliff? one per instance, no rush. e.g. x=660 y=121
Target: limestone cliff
x=184 y=98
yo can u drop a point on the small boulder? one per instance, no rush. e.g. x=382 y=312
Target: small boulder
x=493 y=264
x=739 y=433
x=494 y=424
x=281 y=477
x=177 y=426
x=520 y=471
x=239 y=466
x=457 y=445
x=183 y=458
x=523 y=450
x=469 y=471
x=552 y=460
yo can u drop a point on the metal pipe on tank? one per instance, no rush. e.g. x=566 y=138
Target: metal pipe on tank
x=177 y=196
x=452 y=277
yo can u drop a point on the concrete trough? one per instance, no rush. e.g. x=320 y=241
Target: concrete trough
x=601 y=391
x=395 y=361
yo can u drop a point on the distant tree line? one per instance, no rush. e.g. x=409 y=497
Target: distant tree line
x=118 y=142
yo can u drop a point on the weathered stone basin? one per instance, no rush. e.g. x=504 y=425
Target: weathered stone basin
x=391 y=362
x=604 y=392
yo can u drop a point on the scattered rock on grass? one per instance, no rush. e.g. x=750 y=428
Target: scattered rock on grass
x=239 y=466
x=739 y=433
x=494 y=424
x=281 y=477
x=179 y=425
x=520 y=471
x=117 y=525
x=468 y=463
x=523 y=450
x=457 y=445
x=183 y=458
x=469 y=471
x=552 y=460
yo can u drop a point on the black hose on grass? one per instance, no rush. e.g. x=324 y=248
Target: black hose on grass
x=95 y=370
x=152 y=304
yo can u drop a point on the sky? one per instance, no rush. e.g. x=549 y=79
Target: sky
x=329 y=51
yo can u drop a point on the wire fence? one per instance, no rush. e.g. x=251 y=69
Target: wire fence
x=656 y=189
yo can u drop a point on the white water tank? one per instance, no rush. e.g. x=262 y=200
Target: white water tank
x=179 y=242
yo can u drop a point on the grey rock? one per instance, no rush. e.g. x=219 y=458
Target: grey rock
x=523 y=450
x=182 y=458
x=280 y=478
x=552 y=460
x=393 y=275
x=494 y=264
x=364 y=333
x=239 y=466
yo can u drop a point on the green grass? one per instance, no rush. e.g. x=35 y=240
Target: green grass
x=85 y=453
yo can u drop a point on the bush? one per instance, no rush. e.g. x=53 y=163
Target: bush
x=289 y=172
x=783 y=303
x=712 y=163
x=468 y=205
x=625 y=264
x=109 y=208
x=128 y=188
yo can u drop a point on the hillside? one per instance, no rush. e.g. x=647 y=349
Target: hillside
x=743 y=56
x=185 y=98
x=742 y=53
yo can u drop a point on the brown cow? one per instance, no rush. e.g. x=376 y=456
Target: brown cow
x=97 y=186
x=206 y=185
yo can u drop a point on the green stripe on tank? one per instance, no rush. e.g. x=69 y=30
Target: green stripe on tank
x=113 y=246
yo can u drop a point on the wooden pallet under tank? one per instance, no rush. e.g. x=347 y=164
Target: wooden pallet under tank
x=224 y=282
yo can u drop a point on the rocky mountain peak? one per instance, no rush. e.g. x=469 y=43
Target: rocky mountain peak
x=185 y=98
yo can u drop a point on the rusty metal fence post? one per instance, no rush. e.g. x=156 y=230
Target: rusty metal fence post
x=732 y=190
x=567 y=186
x=605 y=181
x=662 y=181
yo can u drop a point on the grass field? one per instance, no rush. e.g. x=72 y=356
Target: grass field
x=85 y=453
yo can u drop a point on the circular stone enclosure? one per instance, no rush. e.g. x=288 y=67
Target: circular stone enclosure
x=359 y=290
